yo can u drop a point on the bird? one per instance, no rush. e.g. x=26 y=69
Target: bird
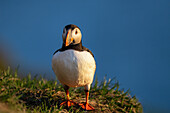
x=74 y=65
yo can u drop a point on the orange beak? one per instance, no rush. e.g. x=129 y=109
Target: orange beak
x=68 y=41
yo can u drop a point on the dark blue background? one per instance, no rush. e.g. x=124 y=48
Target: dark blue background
x=130 y=40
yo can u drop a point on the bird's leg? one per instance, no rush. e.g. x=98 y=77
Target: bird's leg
x=68 y=102
x=86 y=105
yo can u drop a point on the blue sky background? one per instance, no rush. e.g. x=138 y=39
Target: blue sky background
x=130 y=40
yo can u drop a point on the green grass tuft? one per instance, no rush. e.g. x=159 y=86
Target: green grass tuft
x=41 y=95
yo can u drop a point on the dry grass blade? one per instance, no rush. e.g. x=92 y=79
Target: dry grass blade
x=40 y=95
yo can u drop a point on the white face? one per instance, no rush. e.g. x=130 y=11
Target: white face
x=76 y=34
x=73 y=36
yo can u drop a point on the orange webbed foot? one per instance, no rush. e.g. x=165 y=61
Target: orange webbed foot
x=68 y=103
x=86 y=106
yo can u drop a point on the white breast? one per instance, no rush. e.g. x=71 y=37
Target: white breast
x=74 y=68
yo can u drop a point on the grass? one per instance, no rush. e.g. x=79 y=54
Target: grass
x=37 y=95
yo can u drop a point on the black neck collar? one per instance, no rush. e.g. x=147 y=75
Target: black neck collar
x=77 y=47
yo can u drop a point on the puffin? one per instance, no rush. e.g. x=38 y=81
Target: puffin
x=74 y=65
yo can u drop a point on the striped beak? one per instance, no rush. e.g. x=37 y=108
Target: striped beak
x=68 y=38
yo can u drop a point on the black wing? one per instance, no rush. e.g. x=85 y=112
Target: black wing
x=86 y=49
x=56 y=51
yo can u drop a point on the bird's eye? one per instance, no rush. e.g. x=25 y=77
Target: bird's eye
x=76 y=32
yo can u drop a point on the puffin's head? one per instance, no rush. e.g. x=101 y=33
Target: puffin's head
x=71 y=35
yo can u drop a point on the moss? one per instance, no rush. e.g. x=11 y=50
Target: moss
x=40 y=95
